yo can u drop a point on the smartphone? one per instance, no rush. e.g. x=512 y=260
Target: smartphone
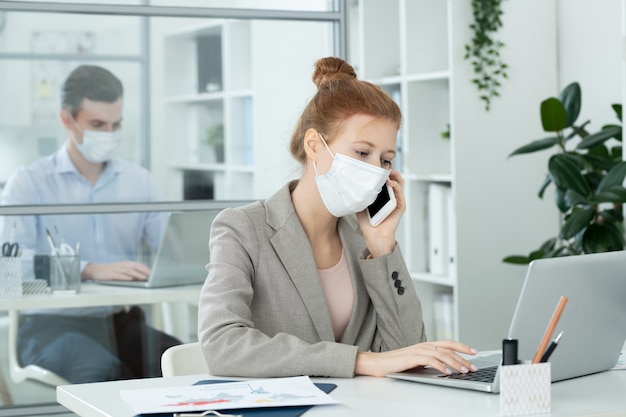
x=384 y=204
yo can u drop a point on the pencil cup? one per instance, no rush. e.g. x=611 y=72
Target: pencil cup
x=10 y=277
x=525 y=389
x=65 y=274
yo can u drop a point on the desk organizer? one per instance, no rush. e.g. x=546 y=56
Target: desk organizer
x=10 y=277
x=525 y=389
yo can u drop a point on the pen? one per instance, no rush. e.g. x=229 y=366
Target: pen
x=551 y=348
x=53 y=246
x=12 y=237
x=550 y=329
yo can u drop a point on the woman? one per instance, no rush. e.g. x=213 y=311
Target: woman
x=299 y=285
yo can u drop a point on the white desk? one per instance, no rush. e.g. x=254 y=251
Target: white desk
x=601 y=394
x=92 y=294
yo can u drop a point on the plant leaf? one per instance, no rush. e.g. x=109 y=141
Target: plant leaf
x=612 y=215
x=610 y=194
x=615 y=176
x=553 y=115
x=573 y=199
x=576 y=222
x=602 y=238
x=548 y=245
x=618 y=110
x=516 y=259
x=599 y=137
x=619 y=135
x=544 y=185
x=571 y=99
x=603 y=163
x=536 y=145
x=565 y=172
x=560 y=200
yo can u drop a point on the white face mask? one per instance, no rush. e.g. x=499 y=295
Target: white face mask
x=97 y=146
x=350 y=185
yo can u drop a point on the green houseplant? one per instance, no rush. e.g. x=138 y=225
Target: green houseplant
x=215 y=139
x=587 y=172
x=484 y=49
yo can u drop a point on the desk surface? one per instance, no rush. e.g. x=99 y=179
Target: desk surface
x=92 y=294
x=601 y=394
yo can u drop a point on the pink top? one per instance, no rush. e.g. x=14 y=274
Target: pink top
x=337 y=286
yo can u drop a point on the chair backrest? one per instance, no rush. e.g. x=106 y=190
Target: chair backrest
x=185 y=359
x=20 y=373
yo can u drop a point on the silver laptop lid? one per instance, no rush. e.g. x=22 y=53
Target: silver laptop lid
x=594 y=318
x=184 y=249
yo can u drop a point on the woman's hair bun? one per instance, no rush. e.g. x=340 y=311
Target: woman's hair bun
x=332 y=69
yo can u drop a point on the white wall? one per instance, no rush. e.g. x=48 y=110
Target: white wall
x=548 y=45
x=591 y=52
x=491 y=226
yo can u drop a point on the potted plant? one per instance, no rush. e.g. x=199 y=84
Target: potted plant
x=587 y=172
x=215 y=139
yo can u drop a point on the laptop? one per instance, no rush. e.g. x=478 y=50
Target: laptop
x=592 y=321
x=183 y=252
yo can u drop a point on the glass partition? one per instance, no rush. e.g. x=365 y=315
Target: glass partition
x=200 y=94
x=210 y=97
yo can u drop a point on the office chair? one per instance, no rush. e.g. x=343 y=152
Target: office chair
x=185 y=359
x=35 y=372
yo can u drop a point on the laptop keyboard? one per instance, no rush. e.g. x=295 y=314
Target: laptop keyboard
x=487 y=374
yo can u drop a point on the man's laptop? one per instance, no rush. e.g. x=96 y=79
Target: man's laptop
x=183 y=253
x=592 y=321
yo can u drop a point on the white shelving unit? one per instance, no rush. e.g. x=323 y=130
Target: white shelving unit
x=263 y=71
x=414 y=49
x=208 y=87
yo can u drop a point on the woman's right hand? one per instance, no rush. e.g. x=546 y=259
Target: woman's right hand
x=441 y=355
x=381 y=240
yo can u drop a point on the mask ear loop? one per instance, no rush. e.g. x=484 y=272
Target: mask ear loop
x=325 y=144
x=327 y=148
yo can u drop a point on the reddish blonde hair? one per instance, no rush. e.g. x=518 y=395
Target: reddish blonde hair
x=339 y=95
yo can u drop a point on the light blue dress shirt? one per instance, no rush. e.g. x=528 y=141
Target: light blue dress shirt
x=104 y=238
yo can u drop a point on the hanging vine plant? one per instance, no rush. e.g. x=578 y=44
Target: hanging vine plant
x=484 y=51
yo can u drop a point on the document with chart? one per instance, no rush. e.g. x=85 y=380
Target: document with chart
x=275 y=392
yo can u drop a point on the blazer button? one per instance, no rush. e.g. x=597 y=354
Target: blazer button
x=398 y=283
x=394 y=275
x=400 y=290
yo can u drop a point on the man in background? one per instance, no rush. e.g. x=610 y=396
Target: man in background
x=95 y=343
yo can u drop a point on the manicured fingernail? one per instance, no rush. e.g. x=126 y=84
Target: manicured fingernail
x=474 y=367
x=474 y=350
x=464 y=369
x=448 y=371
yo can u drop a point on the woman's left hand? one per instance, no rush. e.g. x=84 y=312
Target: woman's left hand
x=381 y=240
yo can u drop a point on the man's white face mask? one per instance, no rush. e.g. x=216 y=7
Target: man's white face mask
x=350 y=185
x=97 y=146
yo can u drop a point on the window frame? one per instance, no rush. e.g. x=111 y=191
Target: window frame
x=337 y=17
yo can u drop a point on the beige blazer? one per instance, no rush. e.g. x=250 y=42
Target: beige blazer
x=262 y=310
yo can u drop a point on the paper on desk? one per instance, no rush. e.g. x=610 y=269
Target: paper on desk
x=275 y=392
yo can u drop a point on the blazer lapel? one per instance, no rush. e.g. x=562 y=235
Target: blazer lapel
x=292 y=247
